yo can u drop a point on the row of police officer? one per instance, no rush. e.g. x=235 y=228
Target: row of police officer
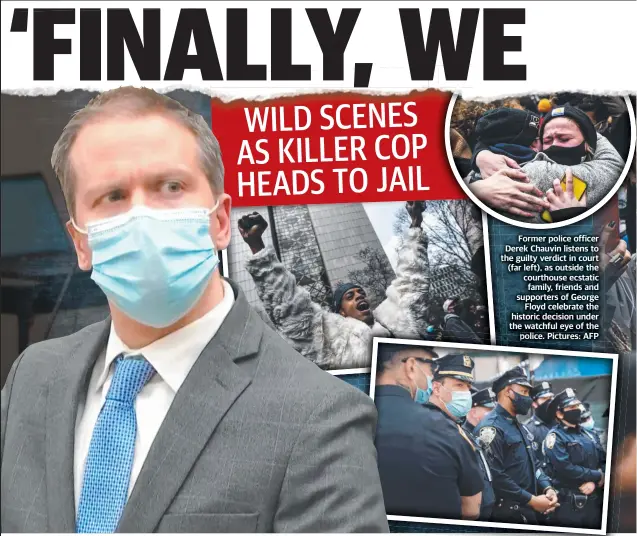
x=446 y=450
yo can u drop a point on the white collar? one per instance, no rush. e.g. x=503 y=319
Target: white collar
x=173 y=356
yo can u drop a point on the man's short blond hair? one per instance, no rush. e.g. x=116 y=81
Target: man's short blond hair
x=135 y=102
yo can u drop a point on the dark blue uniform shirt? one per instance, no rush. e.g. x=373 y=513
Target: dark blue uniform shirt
x=488 y=495
x=425 y=464
x=539 y=430
x=596 y=435
x=573 y=457
x=516 y=476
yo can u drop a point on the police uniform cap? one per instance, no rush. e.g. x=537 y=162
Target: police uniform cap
x=541 y=389
x=459 y=366
x=514 y=376
x=483 y=397
x=586 y=413
x=562 y=400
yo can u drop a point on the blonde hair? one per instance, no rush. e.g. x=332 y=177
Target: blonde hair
x=135 y=102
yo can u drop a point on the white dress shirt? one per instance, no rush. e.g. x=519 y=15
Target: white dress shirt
x=172 y=357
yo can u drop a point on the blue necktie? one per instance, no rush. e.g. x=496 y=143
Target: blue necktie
x=110 y=455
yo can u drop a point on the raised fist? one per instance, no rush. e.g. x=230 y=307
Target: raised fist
x=252 y=227
x=415 y=210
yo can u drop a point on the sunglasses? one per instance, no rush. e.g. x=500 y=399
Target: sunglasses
x=419 y=359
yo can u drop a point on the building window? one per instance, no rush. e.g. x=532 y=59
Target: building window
x=299 y=251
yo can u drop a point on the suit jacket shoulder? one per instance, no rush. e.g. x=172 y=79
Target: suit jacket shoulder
x=41 y=361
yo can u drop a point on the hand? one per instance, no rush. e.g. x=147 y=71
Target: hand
x=509 y=190
x=540 y=503
x=489 y=163
x=587 y=488
x=614 y=263
x=551 y=494
x=559 y=199
x=252 y=227
x=415 y=210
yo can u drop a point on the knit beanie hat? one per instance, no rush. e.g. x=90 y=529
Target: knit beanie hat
x=508 y=125
x=583 y=122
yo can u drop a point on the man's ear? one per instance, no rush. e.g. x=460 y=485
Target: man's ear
x=410 y=367
x=435 y=387
x=80 y=242
x=220 y=222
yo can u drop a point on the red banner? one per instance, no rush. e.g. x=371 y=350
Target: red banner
x=335 y=148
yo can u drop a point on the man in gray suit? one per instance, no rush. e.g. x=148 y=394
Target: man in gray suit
x=183 y=411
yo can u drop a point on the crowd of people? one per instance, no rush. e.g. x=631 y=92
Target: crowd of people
x=448 y=450
x=541 y=160
x=458 y=320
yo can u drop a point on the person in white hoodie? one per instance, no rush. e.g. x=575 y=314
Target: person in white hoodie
x=342 y=338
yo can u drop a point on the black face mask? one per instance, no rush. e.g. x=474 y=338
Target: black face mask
x=573 y=416
x=542 y=412
x=568 y=156
x=521 y=404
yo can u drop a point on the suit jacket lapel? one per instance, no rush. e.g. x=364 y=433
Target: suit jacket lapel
x=63 y=398
x=210 y=389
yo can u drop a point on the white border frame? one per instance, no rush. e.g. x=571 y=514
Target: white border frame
x=224 y=262
x=545 y=226
x=489 y=280
x=514 y=349
x=348 y=371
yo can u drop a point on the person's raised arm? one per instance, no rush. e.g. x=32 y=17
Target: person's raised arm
x=289 y=306
x=403 y=312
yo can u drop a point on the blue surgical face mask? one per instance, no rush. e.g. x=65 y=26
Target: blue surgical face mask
x=154 y=265
x=422 y=395
x=588 y=424
x=460 y=403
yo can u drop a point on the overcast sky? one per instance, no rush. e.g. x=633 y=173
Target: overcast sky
x=382 y=216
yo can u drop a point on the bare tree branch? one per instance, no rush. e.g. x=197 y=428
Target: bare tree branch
x=377 y=275
x=451 y=233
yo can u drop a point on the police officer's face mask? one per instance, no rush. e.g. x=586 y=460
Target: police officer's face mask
x=422 y=395
x=542 y=411
x=573 y=416
x=460 y=403
x=521 y=403
x=588 y=424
